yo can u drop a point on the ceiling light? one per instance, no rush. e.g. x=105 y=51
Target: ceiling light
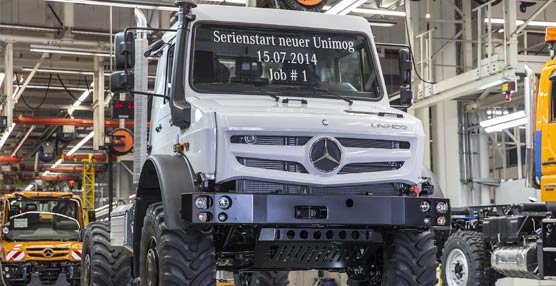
x=59 y=71
x=68 y=51
x=521 y=22
x=81 y=143
x=379 y=12
x=56 y=164
x=123 y=4
x=83 y=96
x=509 y=124
x=345 y=6
x=5 y=135
x=503 y=119
x=2 y=76
x=378 y=24
x=236 y=1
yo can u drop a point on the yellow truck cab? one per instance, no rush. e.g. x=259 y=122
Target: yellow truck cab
x=40 y=234
x=545 y=132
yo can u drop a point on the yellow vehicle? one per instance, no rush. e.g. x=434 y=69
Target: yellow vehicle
x=40 y=234
x=518 y=240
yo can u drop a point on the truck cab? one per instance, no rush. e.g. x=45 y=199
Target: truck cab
x=40 y=234
x=275 y=148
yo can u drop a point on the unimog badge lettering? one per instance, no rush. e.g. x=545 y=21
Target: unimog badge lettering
x=389 y=126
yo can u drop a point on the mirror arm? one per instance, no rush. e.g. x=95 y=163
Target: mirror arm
x=149 y=94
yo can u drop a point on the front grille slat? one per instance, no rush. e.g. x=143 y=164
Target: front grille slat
x=356 y=168
x=270 y=140
x=277 y=165
x=251 y=186
x=373 y=143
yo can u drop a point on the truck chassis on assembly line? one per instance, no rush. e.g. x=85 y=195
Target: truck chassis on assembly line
x=519 y=240
x=274 y=148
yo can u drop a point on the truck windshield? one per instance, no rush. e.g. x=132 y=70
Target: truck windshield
x=283 y=62
x=34 y=219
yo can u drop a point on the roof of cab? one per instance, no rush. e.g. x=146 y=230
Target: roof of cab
x=278 y=17
x=43 y=195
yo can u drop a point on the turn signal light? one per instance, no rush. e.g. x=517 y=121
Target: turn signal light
x=550 y=36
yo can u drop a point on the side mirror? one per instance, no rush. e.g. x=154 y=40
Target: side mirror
x=406 y=67
x=121 y=81
x=124 y=50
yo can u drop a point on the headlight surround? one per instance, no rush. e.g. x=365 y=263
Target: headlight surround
x=441 y=207
x=425 y=206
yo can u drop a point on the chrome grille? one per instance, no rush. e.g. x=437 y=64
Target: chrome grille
x=356 y=168
x=270 y=140
x=277 y=165
x=373 y=143
x=250 y=186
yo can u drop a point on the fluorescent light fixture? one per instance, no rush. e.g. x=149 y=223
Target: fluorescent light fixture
x=326 y=7
x=345 y=6
x=509 y=124
x=2 y=76
x=380 y=12
x=6 y=135
x=381 y=24
x=521 y=22
x=53 y=88
x=28 y=188
x=59 y=71
x=236 y=1
x=83 y=96
x=57 y=164
x=68 y=51
x=503 y=119
x=81 y=143
x=123 y=4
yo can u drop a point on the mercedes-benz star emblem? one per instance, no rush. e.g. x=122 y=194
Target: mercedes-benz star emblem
x=48 y=252
x=325 y=155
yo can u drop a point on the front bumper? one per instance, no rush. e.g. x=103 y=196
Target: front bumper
x=305 y=210
x=21 y=272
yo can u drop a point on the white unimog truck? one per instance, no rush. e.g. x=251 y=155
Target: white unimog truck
x=274 y=148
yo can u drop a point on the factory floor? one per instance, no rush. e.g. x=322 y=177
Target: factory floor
x=61 y=281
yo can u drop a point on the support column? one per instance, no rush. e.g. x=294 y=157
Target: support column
x=141 y=103
x=69 y=19
x=484 y=161
x=510 y=17
x=9 y=81
x=446 y=153
x=98 y=103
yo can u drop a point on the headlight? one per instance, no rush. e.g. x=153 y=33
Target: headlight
x=6 y=269
x=427 y=220
x=202 y=202
x=425 y=206
x=224 y=202
x=442 y=207
x=441 y=220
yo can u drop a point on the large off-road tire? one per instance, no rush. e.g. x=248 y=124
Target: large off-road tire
x=409 y=259
x=175 y=257
x=466 y=261
x=103 y=264
x=262 y=278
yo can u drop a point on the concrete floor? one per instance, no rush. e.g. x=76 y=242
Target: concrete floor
x=61 y=281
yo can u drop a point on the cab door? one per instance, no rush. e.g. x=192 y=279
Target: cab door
x=547 y=96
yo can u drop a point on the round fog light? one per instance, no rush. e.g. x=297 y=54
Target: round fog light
x=442 y=207
x=222 y=217
x=8 y=275
x=202 y=202
x=224 y=202
x=425 y=206
x=204 y=217
x=427 y=220
x=6 y=269
x=441 y=220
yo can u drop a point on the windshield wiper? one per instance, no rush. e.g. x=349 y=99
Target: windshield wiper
x=314 y=88
x=269 y=94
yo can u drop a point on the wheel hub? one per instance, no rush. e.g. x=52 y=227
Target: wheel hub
x=457 y=268
x=152 y=268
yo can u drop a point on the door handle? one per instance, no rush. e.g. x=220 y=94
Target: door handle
x=548 y=163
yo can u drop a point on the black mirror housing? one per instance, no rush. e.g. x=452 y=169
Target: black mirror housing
x=121 y=81
x=124 y=50
x=406 y=67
